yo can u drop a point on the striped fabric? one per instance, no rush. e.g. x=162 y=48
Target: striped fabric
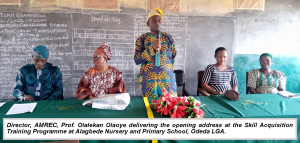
x=219 y=80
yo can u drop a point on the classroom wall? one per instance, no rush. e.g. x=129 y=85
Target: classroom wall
x=73 y=59
x=188 y=7
x=275 y=30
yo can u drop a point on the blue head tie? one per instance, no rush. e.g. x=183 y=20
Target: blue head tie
x=41 y=52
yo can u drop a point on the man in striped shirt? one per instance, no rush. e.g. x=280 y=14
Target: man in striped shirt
x=219 y=77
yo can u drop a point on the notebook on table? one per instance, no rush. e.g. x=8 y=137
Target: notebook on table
x=288 y=94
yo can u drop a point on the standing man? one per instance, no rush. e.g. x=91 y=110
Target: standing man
x=153 y=78
x=40 y=80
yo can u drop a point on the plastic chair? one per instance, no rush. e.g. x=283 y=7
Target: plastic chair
x=247 y=88
x=199 y=87
x=181 y=82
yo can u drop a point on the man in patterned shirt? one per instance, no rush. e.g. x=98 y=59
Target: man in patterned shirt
x=154 y=78
x=40 y=80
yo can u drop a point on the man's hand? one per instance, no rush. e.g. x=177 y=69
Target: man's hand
x=156 y=45
x=28 y=98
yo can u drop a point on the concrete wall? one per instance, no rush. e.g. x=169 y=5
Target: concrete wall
x=275 y=31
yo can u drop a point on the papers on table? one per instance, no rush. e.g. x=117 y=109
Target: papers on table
x=21 y=108
x=2 y=104
x=118 y=101
x=288 y=94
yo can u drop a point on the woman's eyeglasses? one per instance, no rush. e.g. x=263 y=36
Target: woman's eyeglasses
x=96 y=57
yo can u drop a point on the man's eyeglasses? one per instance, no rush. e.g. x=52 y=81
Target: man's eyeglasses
x=96 y=57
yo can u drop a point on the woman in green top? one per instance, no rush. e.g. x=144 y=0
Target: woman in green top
x=265 y=80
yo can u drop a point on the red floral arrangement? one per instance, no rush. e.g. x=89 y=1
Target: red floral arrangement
x=177 y=107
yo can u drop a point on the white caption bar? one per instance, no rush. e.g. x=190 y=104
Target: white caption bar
x=148 y=129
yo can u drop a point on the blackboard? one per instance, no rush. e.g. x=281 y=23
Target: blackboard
x=72 y=38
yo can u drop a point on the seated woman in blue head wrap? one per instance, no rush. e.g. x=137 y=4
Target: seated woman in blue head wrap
x=265 y=80
x=40 y=80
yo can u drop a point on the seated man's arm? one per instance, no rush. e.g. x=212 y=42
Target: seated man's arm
x=19 y=88
x=58 y=85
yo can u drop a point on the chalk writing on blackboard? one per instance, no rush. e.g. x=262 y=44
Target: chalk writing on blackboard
x=98 y=35
x=164 y=5
x=73 y=38
x=105 y=18
x=20 y=32
x=84 y=51
x=76 y=80
x=82 y=65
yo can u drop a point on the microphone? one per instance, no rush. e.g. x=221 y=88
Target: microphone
x=157 y=55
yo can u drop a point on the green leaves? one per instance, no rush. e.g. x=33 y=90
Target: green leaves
x=191 y=99
x=152 y=106
x=177 y=107
x=180 y=102
x=192 y=115
x=189 y=110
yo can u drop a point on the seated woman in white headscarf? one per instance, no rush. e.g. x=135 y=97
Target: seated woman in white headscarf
x=101 y=79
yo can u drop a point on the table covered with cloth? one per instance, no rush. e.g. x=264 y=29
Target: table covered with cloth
x=249 y=106
x=217 y=106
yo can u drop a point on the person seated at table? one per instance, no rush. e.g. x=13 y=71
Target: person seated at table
x=101 y=79
x=265 y=80
x=219 y=77
x=40 y=80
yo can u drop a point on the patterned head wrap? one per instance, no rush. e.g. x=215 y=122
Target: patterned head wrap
x=155 y=11
x=41 y=52
x=266 y=54
x=105 y=50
